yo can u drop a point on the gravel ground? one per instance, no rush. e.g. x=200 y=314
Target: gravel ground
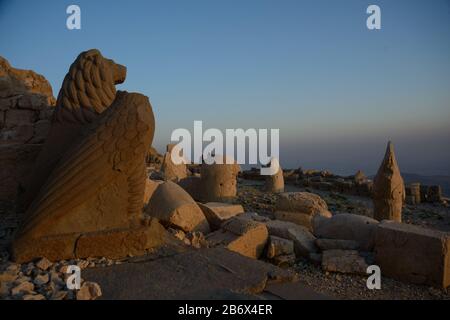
x=350 y=286
x=339 y=286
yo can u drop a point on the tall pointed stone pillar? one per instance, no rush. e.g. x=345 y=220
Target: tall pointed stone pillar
x=388 y=189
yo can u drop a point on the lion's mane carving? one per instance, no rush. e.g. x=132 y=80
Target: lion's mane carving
x=88 y=88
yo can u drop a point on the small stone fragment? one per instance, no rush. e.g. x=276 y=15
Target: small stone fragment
x=89 y=291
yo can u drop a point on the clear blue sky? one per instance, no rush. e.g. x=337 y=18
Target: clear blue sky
x=336 y=90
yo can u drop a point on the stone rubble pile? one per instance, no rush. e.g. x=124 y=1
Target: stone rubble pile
x=44 y=280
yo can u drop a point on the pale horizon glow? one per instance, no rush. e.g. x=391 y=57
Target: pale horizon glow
x=337 y=91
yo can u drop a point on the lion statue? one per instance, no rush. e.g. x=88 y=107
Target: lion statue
x=90 y=183
x=87 y=91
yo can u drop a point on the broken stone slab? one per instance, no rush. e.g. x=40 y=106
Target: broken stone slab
x=304 y=241
x=175 y=207
x=413 y=254
x=184 y=276
x=343 y=261
x=347 y=226
x=300 y=208
x=278 y=246
x=280 y=228
x=336 y=244
x=243 y=236
x=302 y=202
x=217 y=213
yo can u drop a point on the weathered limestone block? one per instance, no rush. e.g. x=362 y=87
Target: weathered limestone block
x=347 y=226
x=301 y=219
x=275 y=183
x=170 y=170
x=87 y=91
x=304 y=241
x=300 y=208
x=175 y=207
x=343 y=261
x=278 y=246
x=243 y=236
x=280 y=228
x=218 y=181
x=413 y=254
x=217 y=213
x=388 y=189
x=121 y=243
x=98 y=184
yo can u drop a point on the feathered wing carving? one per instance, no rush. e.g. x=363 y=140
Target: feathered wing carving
x=111 y=149
x=87 y=91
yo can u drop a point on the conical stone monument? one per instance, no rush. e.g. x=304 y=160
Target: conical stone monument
x=388 y=189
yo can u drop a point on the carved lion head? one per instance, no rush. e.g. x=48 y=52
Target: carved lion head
x=88 y=88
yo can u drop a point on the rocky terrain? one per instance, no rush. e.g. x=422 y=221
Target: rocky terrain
x=96 y=199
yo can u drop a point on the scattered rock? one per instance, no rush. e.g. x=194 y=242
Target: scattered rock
x=25 y=287
x=243 y=236
x=41 y=279
x=304 y=241
x=175 y=207
x=197 y=239
x=280 y=228
x=89 y=291
x=217 y=213
x=300 y=208
x=343 y=261
x=44 y=264
x=279 y=246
